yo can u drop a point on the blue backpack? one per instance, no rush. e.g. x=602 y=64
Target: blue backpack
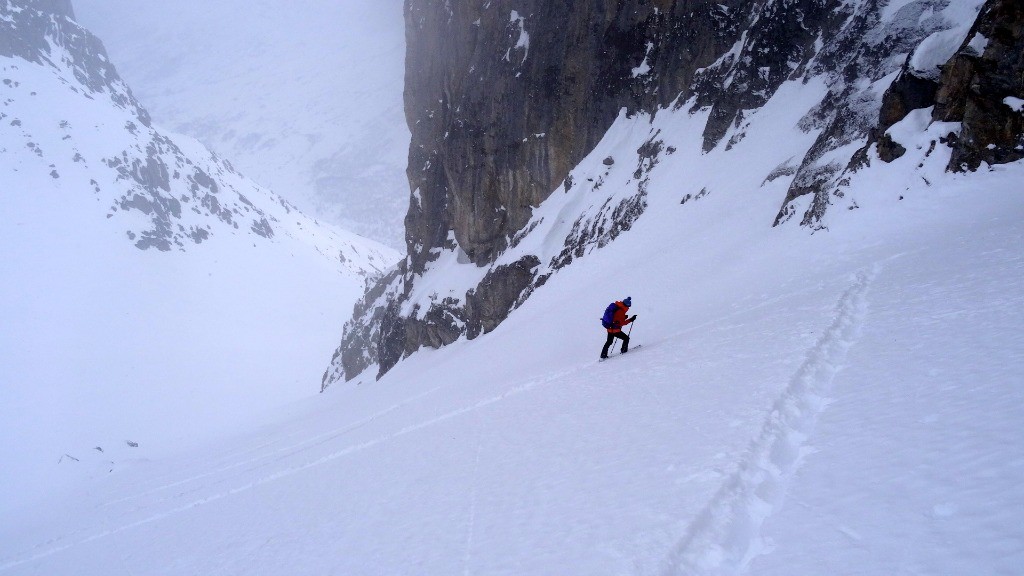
x=609 y=315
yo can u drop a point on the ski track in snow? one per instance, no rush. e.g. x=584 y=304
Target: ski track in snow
x=714 y=538
x=283 y=452
x=320 y=439
x=471 y=520
x=725 y=536
x=292 y=450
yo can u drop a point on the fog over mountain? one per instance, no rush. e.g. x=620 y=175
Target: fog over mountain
x=305 y=99
x=150 y=292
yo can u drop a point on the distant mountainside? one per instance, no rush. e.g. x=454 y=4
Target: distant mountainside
x=515 y=105
x=139 y=269
x=168 y=192
x=304 y=99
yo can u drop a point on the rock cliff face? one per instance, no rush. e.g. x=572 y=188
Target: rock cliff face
x=505 y=97
x=982 y=87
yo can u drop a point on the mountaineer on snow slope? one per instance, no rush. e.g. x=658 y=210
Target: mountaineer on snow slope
x=613 y=320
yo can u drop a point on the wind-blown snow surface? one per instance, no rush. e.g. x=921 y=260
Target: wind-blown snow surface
x=841 y=402
x=303 y=97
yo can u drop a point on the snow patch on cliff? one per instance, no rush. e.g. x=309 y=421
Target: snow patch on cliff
x=644 y=67
x=1016 y=104
x=523 y=39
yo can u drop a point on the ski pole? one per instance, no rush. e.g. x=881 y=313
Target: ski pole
x=630 y=331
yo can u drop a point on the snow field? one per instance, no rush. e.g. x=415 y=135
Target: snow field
x=839 y=402
x=104 y=345
x=632 y=466
x=918 y=455
x=518 y=453
x=725 y=536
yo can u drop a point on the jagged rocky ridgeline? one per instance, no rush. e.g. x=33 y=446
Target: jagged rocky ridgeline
x=69 y=117
x=504 y=98
x=44 y=32
x=157 y=179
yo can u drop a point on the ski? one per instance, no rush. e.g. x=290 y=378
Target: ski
x=631 y=350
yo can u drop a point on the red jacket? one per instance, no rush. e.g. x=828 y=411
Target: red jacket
x=619 y=319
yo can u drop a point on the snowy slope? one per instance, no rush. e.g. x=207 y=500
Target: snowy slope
x=149 y=292
x=813 y=89
x=768 y=375
x=305 y=98
x=844 y=401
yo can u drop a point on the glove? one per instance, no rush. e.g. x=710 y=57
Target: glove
x=633 y=318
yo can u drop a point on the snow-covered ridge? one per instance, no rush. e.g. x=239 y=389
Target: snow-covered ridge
x=304 y=99
x=44 y=32
x=165 y=191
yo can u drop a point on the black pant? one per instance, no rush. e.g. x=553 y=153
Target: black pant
x=611 y=337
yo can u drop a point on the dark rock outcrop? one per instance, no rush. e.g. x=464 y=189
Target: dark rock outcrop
x=500 y=292
x=504 y=98
x=380 y=334
x=907 y=92
x=44 y=32
x=778 y=45
x=859 y=47
x=974 y=89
